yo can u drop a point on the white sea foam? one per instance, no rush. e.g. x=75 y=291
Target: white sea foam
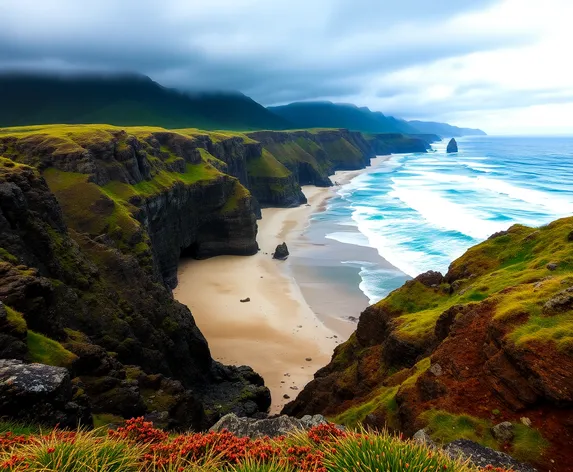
x=445 y=214
x=422 y=211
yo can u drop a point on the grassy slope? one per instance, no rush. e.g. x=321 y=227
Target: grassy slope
x=510 y=272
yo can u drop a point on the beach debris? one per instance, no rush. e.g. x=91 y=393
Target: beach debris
x=287 y=375
x=335 y=336
x=286 y=397
x=244 y=300
x=353 y=319
x=294 y=387
x=308 y=359
x=281 y=252
x=282 y=381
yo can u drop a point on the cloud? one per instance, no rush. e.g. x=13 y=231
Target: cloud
x=413 y=57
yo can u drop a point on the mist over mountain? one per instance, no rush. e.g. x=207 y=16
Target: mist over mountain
x=126 y=100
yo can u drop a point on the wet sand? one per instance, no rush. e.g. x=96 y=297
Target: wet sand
x=276 y=332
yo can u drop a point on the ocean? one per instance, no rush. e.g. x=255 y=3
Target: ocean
x=419 y=212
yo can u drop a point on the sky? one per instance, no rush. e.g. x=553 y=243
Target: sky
x=500 y=65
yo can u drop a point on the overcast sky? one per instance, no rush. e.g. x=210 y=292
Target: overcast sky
x=501 y=65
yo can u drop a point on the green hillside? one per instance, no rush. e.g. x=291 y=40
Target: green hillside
x=125 y=100
x=339 y=115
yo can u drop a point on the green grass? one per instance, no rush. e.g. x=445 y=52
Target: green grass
x=44 y=350
x=88 y=452
x=445 y=427
x=18 y=429
x=16 y=320
x=382 y=400
x=102 y=420
x=88 y=208
x=528 y=444
x=511 y=272
x=238 y=196
x=387 y=453
x=4 y=254
x=267 y=166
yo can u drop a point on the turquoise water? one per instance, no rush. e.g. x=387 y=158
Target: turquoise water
x=421 y=211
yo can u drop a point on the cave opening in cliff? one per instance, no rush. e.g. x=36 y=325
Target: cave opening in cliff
x=190 y=251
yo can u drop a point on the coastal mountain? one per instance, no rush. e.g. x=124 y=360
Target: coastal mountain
x=342 y=115
x=125 y=100
x=136 y=100
x=488 y=344
x=444 y=129
x=93 y=222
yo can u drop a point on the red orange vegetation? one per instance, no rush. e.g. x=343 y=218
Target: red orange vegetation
x=138 y=446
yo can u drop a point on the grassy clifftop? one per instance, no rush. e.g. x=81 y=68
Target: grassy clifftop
x=491 y=341
x=93 y=220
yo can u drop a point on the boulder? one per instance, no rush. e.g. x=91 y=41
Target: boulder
x=452 y=146
x=503 y=432
x=430 y=278
x=281 y=252
x=483 y=456
x=271 y=427
x=560 y=303
x=423 y=437
x=39 y=394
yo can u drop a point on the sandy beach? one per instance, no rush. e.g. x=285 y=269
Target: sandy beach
x=276 y=332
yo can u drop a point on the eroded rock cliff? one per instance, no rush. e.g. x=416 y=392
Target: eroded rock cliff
x=90 y=234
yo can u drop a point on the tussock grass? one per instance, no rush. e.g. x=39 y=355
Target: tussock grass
x=140 y=447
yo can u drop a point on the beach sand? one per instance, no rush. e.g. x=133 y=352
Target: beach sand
x=276 y=332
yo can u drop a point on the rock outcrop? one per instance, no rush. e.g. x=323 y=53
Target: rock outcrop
x=483 y=456
x=468 y=354
x=281 y=252
x=271 y=427
x=452 y=146
x=37 y=393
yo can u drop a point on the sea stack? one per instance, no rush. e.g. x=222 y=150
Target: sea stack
x=452 y=146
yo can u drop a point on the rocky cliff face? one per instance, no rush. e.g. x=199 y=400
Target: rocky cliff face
x=490 y=342
x=93 y=221
x=311 y=156
x=86 y=252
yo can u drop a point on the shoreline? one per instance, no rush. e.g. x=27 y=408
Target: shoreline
x=280 y=332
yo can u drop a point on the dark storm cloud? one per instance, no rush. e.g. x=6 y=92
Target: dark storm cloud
x=276 y=51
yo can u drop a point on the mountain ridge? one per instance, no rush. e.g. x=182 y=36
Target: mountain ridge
x=326 y=114
x=130 y=99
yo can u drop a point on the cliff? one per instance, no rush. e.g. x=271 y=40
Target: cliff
x=92 y=223
x=312 y=155
x=94 y=219
x=489 y=342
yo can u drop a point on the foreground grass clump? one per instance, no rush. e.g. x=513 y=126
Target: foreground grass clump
x=138 y=446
